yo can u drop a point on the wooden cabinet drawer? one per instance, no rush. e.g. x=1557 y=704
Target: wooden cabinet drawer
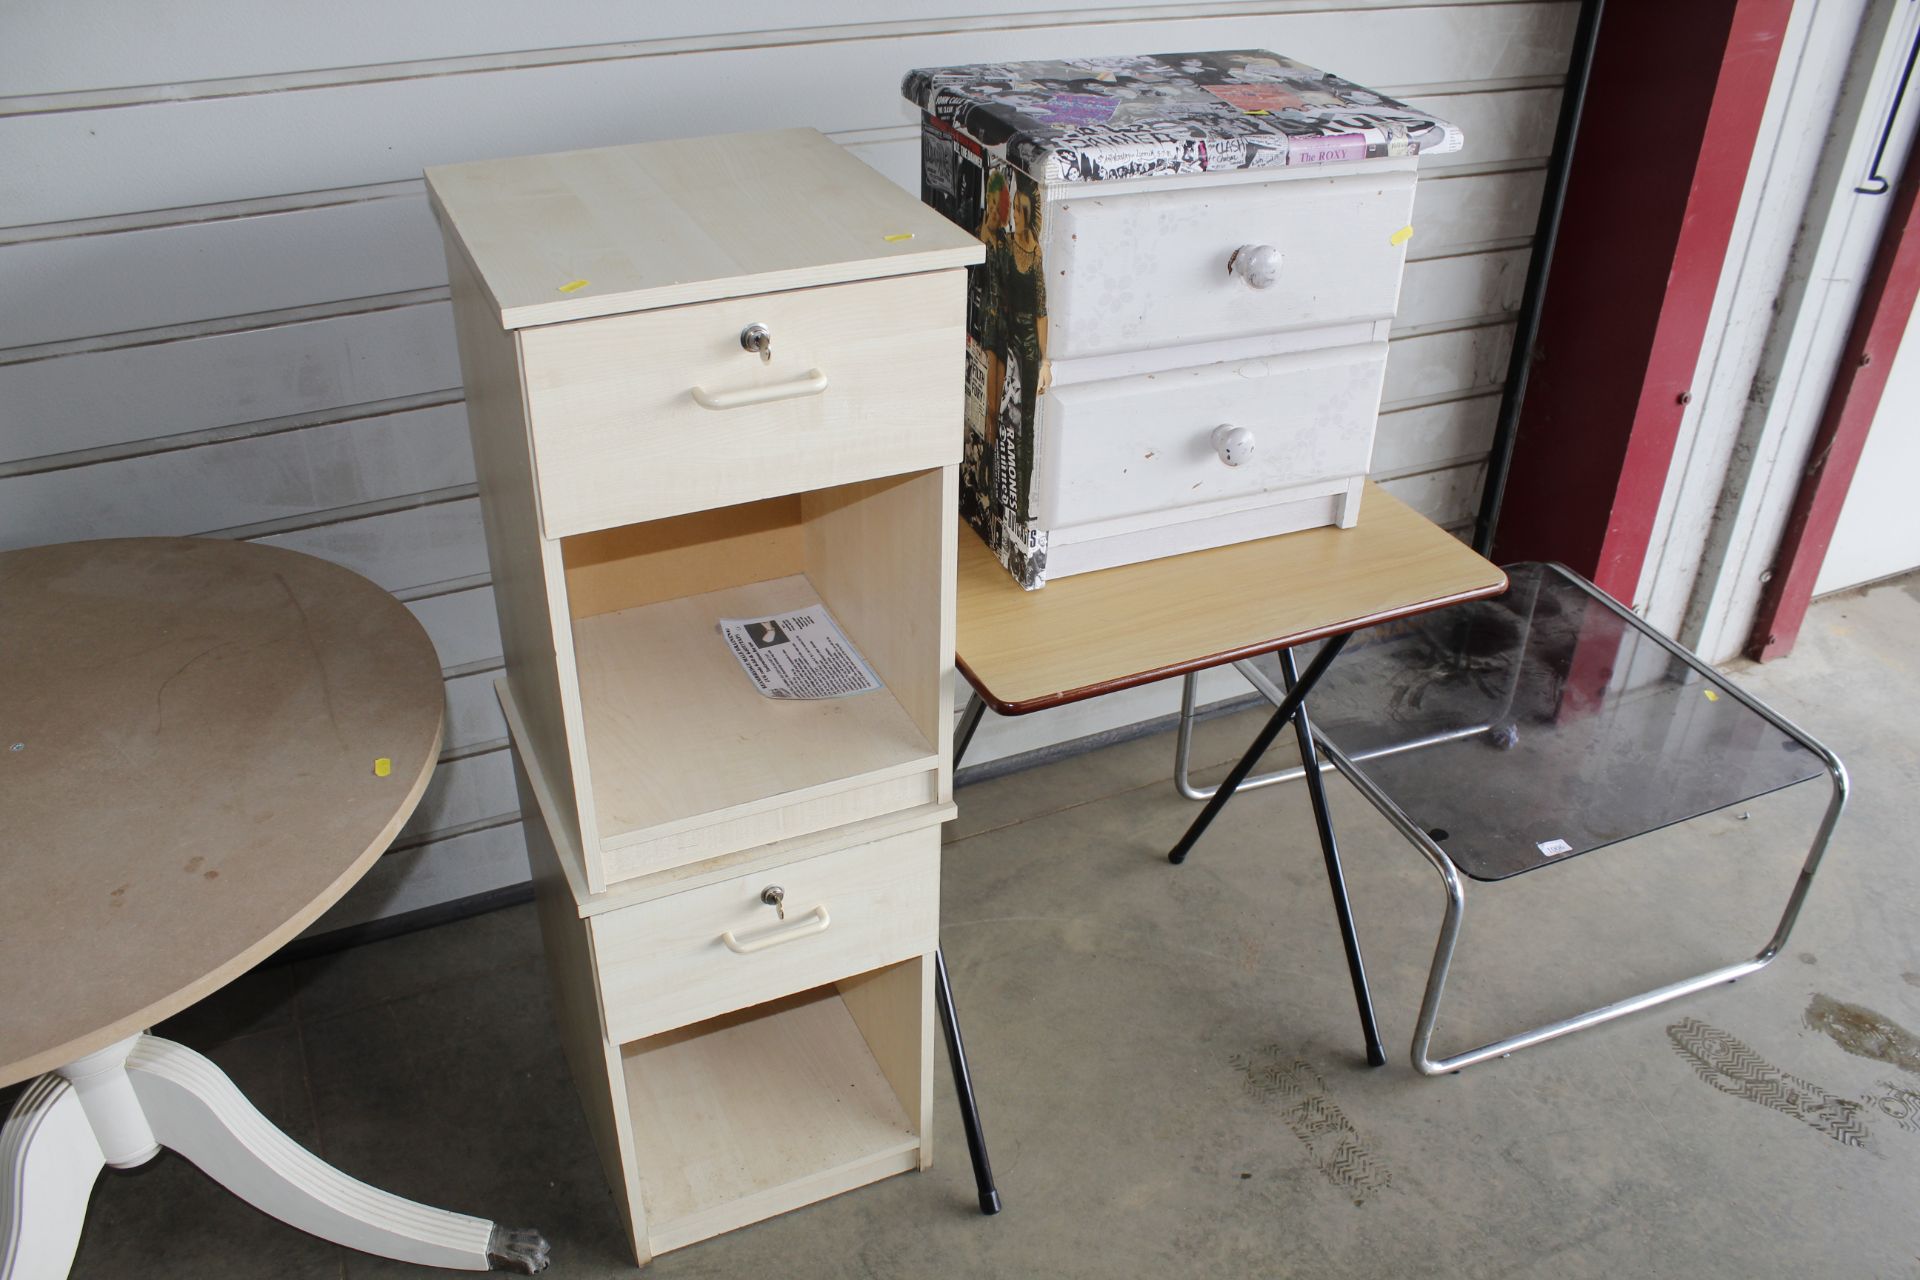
x=656 y=413
x=1150 y=269
x=1127 y=446
x=689 y=956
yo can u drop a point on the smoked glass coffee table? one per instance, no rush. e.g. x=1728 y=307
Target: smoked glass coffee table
x=1514 y=733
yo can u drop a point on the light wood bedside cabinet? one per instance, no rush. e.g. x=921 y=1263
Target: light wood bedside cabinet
x=706 y=379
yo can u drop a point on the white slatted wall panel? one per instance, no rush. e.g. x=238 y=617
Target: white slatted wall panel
x=223 y=308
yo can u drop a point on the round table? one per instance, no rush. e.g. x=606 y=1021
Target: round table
x=203 y=745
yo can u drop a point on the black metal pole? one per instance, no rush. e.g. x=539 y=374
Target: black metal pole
x=963 y=1086
x=1546 y=231
x=969 y=722
x=950 y=1017
x=1336 y=877
x=1262 y=740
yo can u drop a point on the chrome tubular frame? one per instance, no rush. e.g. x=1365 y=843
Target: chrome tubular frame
x=1183 y=739
x=1451 y=880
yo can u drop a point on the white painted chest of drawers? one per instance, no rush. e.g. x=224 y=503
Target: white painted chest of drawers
x=1178 y=337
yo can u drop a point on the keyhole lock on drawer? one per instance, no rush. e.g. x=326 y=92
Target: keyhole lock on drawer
x=776 y=897
x=757 y=337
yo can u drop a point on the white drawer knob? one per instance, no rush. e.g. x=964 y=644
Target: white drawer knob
x=1233 y=444
x=1257 y=264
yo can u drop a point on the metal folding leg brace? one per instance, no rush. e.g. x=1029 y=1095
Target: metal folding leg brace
x=950 y=1020
x=1292 y=708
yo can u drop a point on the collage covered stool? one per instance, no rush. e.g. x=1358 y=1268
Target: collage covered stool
x=1178 y=338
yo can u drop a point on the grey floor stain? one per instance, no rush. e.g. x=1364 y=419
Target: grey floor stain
x=1316 y=1119
x=1864 y=1033
x=1726 y=1063
x=1898 y=1104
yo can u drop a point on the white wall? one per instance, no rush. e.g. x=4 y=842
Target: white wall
x=1879 y=530
x=223 y=308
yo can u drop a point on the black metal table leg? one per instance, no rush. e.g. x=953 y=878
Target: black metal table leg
x=1336 y=878
x=963 y=1087
x=1261 y=741
x=950 y=1020
x=1293 y=709
x=969 y=721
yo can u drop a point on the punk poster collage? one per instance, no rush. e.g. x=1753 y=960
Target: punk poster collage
x=1006 y=339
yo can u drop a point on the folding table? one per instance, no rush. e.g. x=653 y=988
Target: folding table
x=1098 y=633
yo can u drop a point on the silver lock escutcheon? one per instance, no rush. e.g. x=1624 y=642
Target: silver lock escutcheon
x=776 y=897
x=757 y=337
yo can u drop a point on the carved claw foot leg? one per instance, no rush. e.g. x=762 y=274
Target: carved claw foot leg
x=197 y=1111
x=517 y=1249
x=48 y=1161
x=121 y=1105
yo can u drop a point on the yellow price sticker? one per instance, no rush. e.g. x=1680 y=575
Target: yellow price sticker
x=572 y=285
x=383 y=767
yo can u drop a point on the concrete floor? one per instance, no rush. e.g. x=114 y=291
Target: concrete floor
x=1169 y=1060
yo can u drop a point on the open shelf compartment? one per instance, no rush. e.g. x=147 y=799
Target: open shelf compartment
x=686 y=760
x=763 y=1110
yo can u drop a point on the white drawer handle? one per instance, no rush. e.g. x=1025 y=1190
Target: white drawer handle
x=1257 y=264
x=812 y=385
x=1233 y=444
x=817 y=923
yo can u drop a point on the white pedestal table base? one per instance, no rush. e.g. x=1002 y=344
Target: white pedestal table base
x=121 y=1105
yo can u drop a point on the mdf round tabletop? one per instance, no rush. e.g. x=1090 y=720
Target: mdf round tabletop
x=190 y=738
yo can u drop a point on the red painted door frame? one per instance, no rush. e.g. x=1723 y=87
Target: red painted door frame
x=1879 y=321
x=1666 y=138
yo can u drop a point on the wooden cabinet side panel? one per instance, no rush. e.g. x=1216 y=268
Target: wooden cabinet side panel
x=893 y=1007
x=881 y=554
x=592 y=1057
x=949 y=609
x=535 y=632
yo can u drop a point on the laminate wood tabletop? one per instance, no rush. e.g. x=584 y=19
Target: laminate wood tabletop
x=1097 y=633
x=578 y=234
x=190 y=732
